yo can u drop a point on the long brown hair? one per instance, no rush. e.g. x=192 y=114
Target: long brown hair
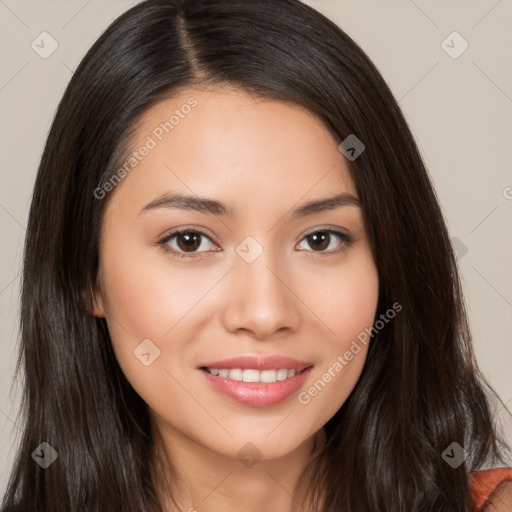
x=420 y=389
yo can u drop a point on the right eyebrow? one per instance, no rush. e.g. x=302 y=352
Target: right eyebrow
x=185 y=202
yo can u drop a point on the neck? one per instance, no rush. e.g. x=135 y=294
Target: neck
x=206 y=481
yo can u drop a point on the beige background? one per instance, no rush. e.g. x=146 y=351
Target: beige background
x=459 y=109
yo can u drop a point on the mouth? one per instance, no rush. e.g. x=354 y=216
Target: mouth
x=256 y=381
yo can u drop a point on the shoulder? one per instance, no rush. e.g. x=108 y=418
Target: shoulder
x=491 y=490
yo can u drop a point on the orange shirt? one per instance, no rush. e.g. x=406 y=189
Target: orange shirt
x=483 y=483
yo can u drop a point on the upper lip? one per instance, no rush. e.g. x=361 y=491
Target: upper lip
x=259 y=363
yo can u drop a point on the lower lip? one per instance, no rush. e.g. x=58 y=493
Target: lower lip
x=257 y=394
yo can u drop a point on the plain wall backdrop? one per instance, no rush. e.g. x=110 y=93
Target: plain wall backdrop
x=448 y=65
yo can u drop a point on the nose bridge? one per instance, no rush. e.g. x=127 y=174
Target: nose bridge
x=259 y=299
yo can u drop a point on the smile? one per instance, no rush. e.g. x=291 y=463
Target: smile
x=254 y=391
x=252 y=375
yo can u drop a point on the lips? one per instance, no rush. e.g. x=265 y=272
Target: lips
x=275 y=362
x=256 y=394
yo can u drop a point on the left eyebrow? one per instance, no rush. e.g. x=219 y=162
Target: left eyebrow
x=206 y=205
x=329 y=203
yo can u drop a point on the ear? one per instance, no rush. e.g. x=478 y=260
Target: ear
x=93 y=300
x=97 y=306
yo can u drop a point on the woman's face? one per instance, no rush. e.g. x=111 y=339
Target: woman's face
x=259 y=270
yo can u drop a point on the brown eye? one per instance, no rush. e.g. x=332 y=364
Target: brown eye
x=188 y=241
x=319 y=241
x=327 y=241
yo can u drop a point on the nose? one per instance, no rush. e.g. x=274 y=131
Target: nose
x=260 y=298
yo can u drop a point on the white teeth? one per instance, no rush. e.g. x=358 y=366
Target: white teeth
x=268 y=375
x=235 y=374
x=250 y=375
x=282 y=374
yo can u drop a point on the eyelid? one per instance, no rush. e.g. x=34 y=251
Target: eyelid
x=186 y=229
x=326 y=227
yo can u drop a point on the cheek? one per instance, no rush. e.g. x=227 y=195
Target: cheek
x=353 y=316
x=346 y=303
x=148 y=297
x=148 y=305
x=345 y=296
x=145 y=292
x=139 y=296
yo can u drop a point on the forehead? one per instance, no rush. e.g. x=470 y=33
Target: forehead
x=231 y=145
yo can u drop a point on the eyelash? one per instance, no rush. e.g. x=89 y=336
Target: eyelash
x=346 y=242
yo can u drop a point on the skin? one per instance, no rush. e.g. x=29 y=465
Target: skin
x=501 y=499
x=298 y=298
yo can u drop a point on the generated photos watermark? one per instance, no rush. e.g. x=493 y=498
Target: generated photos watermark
x=363 y=338
x=151 y=143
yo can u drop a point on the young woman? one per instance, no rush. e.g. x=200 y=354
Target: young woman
x=238 y=290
